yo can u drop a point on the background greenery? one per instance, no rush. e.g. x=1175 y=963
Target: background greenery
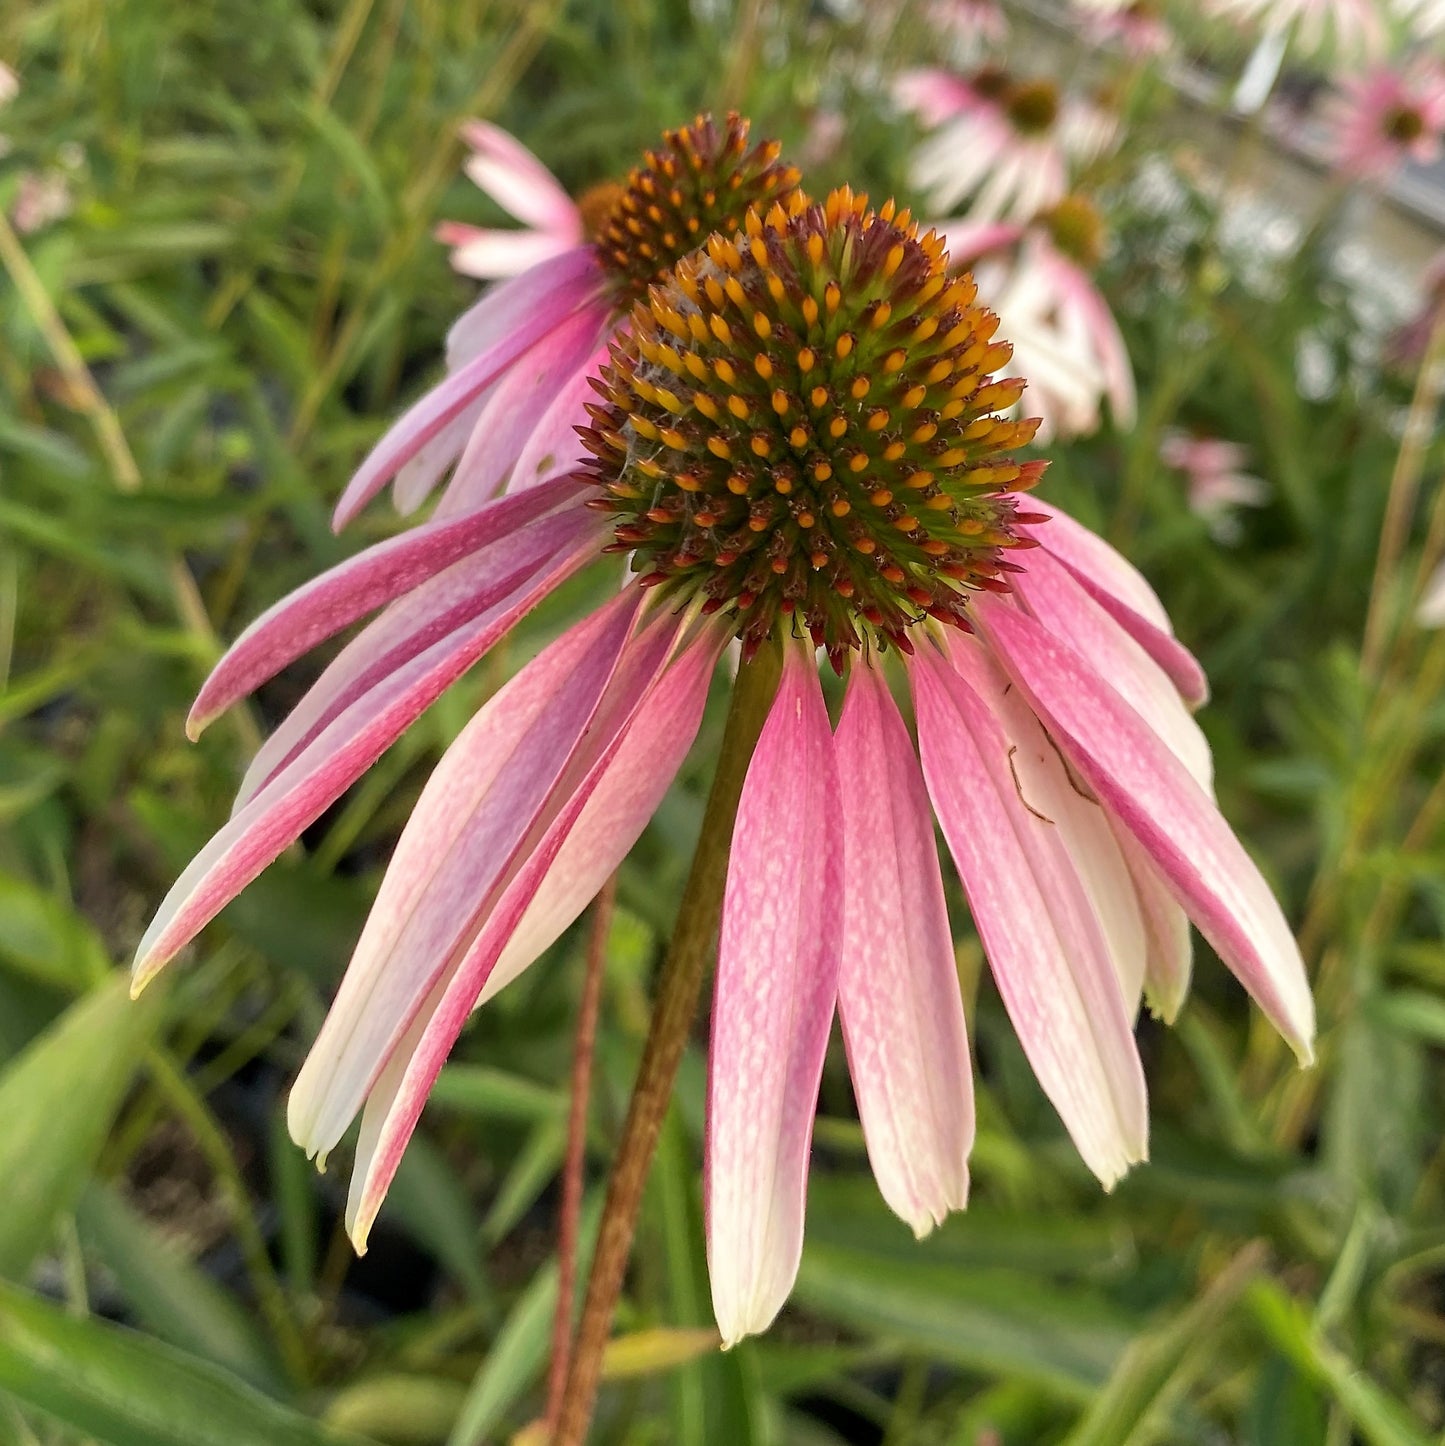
x=247 y=274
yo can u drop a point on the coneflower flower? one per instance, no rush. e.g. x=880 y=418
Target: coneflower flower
x=1065 y=339
x=1350 y=27
x=1380 y=120
x=522 y=366
x=1217 y=481
x=798 y=444
x=1001 y=145
x=519 y=362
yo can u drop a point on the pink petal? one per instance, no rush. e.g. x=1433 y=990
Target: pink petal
x=777 y=980
x=1123 y=593
x=516 y=409
x=554 y=448
x=1093 y=561
x=470 y=824
x=419 y=473
x=330 y=602
x=898 y=994
x=544 y=298
x=1170 y=958
x=1046 y=788
x=591 y=835
x=625 y=799
x=492 y=255
x=517 y=181
x=1052 y=595
x=320 y=772
x=1038 y=927
x=456 y=601
x=1151 y=793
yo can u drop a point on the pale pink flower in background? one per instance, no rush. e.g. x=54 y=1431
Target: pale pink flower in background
x=1136 y=27
x=1379 y=120
x=1431 y=610
x=9 y=84
x=502 y=167
x=42 y=197
x=798 y=443
x=1350 y=27
x=974 y=27
x=1216 y=477
x=1002 y=146
x=1065 y=339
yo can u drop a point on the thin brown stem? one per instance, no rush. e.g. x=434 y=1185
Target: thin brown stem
x=574 y=1162
x=679 y=987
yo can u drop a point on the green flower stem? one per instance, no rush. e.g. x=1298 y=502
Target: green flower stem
x=679 y=986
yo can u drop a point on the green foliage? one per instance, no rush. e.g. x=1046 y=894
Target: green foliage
x=247 y=273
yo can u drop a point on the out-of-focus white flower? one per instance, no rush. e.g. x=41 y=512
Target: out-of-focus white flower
x=1425 y=18
x=1217 y=482
x=1003 y=146
x=1065 y=339
x=9 y=84
x=1431 y=612
x=1353 y=27
x=1381 y=119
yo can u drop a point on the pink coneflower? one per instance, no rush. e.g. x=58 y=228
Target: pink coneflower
x=1001 y=145
x=1064 y=336
x=1380 y=120
x=1350 y=27
x=1217 y=480
x=798 y=444
x=520 y=362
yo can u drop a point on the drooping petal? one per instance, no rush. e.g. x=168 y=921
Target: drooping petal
x=898 y=991
x=1151 y=793
x=1051 y=594
x=626 y=797
x=1046 y=788
x=777 y=981
x=1120 y=589
x=591 y=835
x=502 y=308
x=517 y=406
x=1091 y=559
x=343 y=747
x=554 y=447
x=326 y=604
x=556 y=289
x=489 y=254
x=461 y=601
x=473 y=819
x=1170 y=958
x=1039 y=930
x=517 y=181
